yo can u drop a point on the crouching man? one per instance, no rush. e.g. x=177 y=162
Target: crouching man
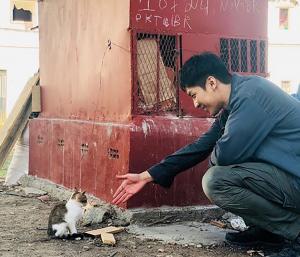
x=254 y=149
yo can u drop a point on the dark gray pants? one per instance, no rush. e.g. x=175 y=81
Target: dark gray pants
x=260 y=193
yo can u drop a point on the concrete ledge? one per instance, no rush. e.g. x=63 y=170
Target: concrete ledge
x=104 y=212
x=167 y=214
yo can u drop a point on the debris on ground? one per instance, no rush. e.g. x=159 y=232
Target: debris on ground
x=31 y=191
x=44 y=198
x=106 y=234
x=238 y=224
x=94 y=214
x=108 y=239
x=24 y=222
x=235 y=222
x=218 y=223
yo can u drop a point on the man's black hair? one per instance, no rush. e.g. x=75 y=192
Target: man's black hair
x=199 y=67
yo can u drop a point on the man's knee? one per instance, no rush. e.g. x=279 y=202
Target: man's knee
x=212 y=181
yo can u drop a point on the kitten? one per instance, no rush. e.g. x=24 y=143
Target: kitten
x=65 y=215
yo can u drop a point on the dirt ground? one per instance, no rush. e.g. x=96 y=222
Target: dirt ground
x=22 y=233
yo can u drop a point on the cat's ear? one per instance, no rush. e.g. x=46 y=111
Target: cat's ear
x=76 y=190
x=83 y=192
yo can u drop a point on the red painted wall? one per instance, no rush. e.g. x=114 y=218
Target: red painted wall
x=85 y=159
x=87 y=132
x=229 y=17
x=152 y=139
x=82 y=78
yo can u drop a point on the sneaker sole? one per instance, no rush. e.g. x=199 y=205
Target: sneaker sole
x=256 y=244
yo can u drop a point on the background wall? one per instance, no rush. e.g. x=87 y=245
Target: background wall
x=284 y=44
x=18 y=49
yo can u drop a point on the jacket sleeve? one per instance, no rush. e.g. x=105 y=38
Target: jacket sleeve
x=246 y=128
x=164 y=172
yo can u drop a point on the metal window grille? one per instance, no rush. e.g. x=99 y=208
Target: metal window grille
x=262 y=53
x=243 y=55
x=253 y=55
x=224 y=51
x=234 y=54
x=155 y=73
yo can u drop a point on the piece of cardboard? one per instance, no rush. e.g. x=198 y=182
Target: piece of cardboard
x=110 y=229
x=108 y=239
x=218 y=224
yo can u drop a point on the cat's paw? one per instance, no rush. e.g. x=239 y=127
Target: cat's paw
x=77 y=236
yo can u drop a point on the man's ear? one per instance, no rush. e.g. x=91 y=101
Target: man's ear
x=212 y=83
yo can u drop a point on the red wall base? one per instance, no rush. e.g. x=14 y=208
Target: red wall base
x=88 y=156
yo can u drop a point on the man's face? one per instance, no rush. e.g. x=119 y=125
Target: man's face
x=209 y=99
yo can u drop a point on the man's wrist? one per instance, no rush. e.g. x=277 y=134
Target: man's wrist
x=146 y=176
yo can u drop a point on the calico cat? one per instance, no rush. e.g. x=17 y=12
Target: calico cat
x=65 y=215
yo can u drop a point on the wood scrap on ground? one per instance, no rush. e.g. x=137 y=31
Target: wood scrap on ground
x=44 y=198
x=106 y=234
x=108 y=239
x=218 y=224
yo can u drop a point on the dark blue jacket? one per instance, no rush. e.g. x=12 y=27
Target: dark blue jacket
x=260 y=124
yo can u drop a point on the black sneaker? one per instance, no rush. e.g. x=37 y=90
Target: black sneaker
x=287 y=252
x=254 y=236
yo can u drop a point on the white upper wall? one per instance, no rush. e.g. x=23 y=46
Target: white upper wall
x=284 y=45
x=19 y=53
x=278 y=35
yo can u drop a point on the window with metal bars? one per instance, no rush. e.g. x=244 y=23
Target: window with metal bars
x=155 y=73
x=243 y=55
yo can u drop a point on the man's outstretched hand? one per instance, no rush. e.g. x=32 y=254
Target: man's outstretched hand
x=132 y=183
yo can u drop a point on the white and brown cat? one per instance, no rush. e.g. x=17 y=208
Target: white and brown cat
x=65 y=215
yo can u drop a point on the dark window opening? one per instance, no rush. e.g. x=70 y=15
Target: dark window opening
x=167 y=47
x=21 y=14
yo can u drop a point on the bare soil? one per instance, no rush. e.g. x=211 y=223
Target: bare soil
x=22 y=233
